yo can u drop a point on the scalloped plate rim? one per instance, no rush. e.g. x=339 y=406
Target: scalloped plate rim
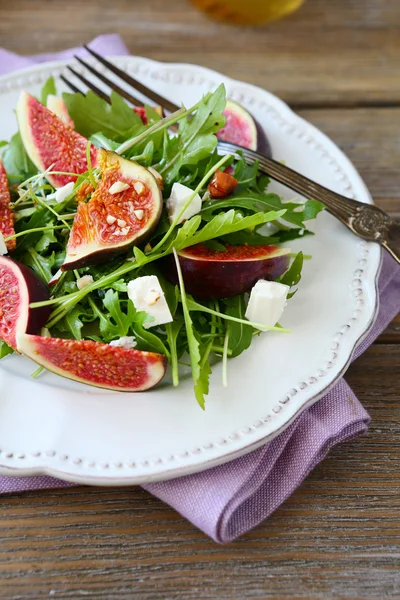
x=46 y=468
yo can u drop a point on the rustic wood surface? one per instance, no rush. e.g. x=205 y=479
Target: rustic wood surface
x=338 y=536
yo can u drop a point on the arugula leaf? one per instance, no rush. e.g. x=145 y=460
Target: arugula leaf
x=91 y=115
x=146 y=339
x=255 y=238
x=255 y=201
x=222 y=224
x=42 y=265
x=201 y=387
x=173 y=329
x=48 y=88
x=73 y=323
x=198 y=375
x=5 y=349
x=16 y=161
x=196 y=139
x=245 y=174
x=240 y=335
x=293 y=274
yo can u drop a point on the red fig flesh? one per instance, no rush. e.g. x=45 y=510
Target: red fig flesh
x=6 y=214
x=122 y=211
x=19 y=286
x=51 y=143
x=95 y=363
x=216 y=274
x=141 y=111
x=242 y=129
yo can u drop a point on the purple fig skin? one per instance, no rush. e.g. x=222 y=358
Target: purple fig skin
x=37 y=291
x=263 y=143
x=210 y=279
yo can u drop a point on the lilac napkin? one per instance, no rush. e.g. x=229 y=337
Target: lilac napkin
x=229 y=500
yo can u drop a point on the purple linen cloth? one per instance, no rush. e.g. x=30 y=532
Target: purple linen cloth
x=227 y=501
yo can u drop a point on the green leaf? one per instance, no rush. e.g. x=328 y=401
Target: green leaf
x=201 y=387
x=222 y=224
x=311 y=209
x=91 y=115
x=48 y=88
x=245 y=174
x=42 y=265
x=5 y=349
x=173 y=329
x=73 y=323
x=196 y=139
x=146 y=340
x=45 y=240
x=193 y=343
x=254 y=201
x=293 y=274
x=16 y=161
x=122 y=322
x=240 y=335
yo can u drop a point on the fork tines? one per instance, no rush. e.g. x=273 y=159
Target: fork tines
x=136 y=85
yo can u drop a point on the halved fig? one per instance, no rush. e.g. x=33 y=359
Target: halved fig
x=216 y=274
x=51 y=143
x=94 y=363
x=241 y=128
x=19 y=286
x=6 y=214
x=122 y=211
x=57 y=106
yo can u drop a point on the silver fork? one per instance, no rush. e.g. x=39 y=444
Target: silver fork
x=365 y=220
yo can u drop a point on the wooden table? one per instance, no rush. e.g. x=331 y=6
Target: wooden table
x=338 y=64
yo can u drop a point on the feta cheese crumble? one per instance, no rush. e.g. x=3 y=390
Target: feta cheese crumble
x=180 y=194
x=62 y=193
x=267 y=302
x=3 y=247
x=84 y=281
x=126 y=342
x=147 y=295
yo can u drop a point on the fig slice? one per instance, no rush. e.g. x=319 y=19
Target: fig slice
x=51 y=143
x=241 y=128
x=122 y=211
x=19 y=286
x=217 y=274
x=57 y=106
x=6 y=214
x=94 y=363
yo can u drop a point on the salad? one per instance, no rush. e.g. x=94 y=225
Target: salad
x=127 y=243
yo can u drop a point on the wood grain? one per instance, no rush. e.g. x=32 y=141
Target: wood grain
x=344 y=52
x=338 y=536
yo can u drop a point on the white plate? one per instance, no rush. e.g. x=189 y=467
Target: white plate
x=83 y=434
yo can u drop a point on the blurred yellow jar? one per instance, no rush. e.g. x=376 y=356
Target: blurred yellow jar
x=247 y=12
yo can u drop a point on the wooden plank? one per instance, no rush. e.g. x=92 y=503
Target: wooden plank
x=338 y=536
x=341 y=53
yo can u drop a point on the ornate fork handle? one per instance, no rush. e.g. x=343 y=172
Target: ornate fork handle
x=365 y=220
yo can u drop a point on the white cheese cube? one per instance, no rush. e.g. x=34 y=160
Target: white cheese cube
x=62 y=193
x=267 y=302
x=147 y=295
x=127 y=342
x=3 y=247
x=180 y=194
x=84 y=281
